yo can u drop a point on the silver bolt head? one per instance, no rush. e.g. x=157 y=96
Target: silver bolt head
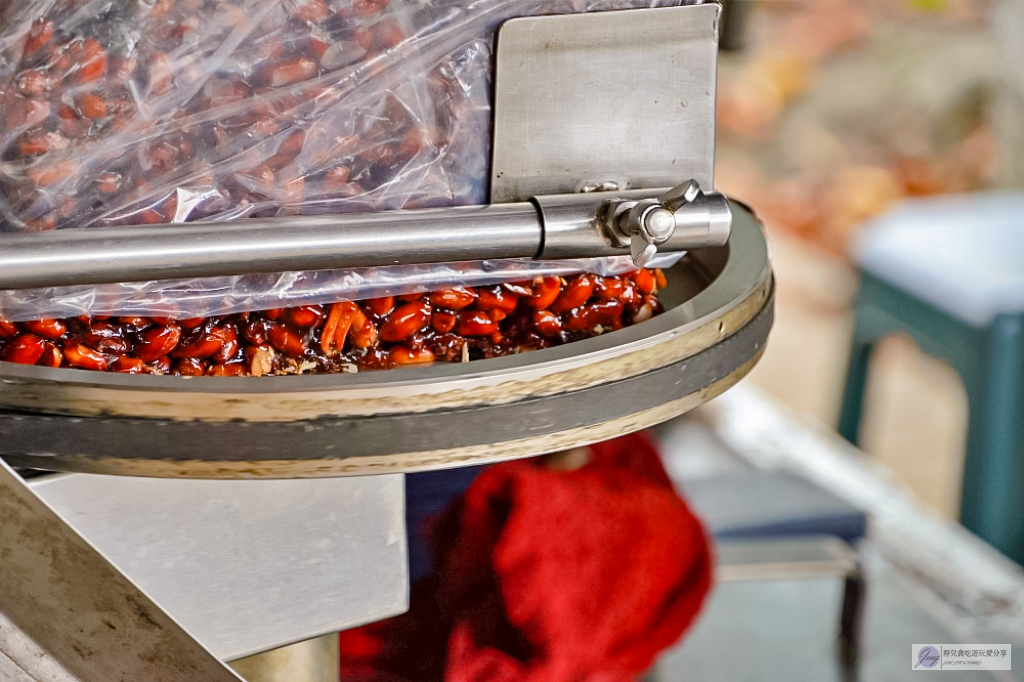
x=659 y=223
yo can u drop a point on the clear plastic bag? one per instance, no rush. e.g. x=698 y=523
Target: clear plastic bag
x=158 y=111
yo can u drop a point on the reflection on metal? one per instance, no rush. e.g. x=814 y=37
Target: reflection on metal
x=142 y=253
x=590 y=223
x=247 y=566
x=605 y=100
x=61 y=596
x=466 y=233
x=315 y=660
x=718 y=315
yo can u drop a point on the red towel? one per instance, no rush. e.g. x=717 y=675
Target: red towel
x=545 y=575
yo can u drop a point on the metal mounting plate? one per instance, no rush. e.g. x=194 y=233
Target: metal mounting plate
x=625 y=97
x=247 y=566
x=718 y=316
x=66 y=613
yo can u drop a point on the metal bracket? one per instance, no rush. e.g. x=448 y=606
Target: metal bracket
x=644 y=225
x=59 y=595
x=605 y=101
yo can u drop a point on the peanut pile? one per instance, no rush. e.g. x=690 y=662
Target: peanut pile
x=167 y=111
x=452 y=325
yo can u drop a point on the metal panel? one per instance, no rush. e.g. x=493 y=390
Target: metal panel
x=59 y=592
x=626 y=98
x=247 y=566
x=22 y=660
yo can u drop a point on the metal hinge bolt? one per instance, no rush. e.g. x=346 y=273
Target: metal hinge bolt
x=644 y=225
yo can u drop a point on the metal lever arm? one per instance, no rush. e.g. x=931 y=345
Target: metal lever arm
x=548 y=227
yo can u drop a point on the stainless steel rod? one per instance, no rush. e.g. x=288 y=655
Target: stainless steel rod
x=143 y=253
x=550 y=227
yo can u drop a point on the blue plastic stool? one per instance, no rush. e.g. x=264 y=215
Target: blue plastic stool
x=949 y=272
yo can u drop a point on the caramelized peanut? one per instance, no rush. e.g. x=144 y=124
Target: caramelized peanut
x=202 y=345
x=545 y=292
x=229 y=343
x=645 y=280
x=453 y=299
x=305 y=316
x=496 y=298
x=7 y=328
x=128 y=365
x=158 y=341
x=48 y=329
x=25 y=350
x=40 y=34
x=364 y=332
x=93 y=61
x=466 y=322
x=660 y=279
x=443 y=321
x=190 y=367
x=406 y=356
x=575 y=294
x=609 y=287
x=92 y=106
x=52 y=356
x=547 y=323
x=405 y=321
x=81 y=356
x=287 y=72
x=475 y=323
x=381 y=306
x=286 y=341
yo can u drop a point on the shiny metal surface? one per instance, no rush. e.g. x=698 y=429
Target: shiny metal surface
x=143 y=253
x=59 y=593
x=22 y=660
x=443 y=415
x=623 y=99
x=586 y=224
x=683 y=214
x=247 y=566
x=315 y=660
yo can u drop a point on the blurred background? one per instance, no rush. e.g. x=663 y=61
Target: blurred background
x=837 y=118
x=830 y=113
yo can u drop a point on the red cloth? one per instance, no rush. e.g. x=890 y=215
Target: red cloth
x=548 y=576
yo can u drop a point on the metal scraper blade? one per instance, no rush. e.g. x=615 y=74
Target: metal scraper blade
x=605 y=100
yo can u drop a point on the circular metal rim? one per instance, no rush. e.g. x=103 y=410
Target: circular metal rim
x=386 y=443
x=724 y=306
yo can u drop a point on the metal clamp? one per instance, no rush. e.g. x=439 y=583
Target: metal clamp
x=648 y=223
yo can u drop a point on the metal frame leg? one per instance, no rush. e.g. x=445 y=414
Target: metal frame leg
x=850 y=622
x=315 y=660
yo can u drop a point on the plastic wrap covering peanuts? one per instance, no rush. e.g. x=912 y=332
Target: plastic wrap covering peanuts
x=160 y=111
